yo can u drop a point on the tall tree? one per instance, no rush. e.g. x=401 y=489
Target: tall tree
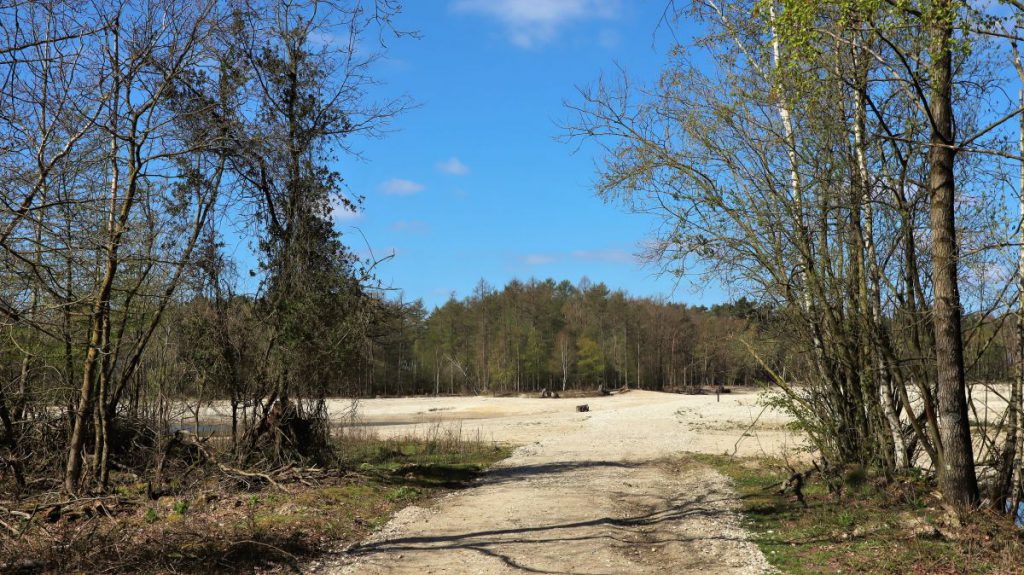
x=956 y=468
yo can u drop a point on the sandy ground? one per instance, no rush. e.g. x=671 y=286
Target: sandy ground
x=584 y=493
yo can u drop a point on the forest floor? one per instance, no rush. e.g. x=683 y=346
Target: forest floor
x=210 y=521
x=599 y=492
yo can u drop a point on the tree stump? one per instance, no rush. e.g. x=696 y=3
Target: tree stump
x=795 y=483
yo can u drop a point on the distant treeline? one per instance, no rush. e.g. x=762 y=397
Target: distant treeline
x=528 y=336
x=555 y=335
x=542 y=334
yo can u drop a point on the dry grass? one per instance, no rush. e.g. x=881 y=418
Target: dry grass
x=208 y=524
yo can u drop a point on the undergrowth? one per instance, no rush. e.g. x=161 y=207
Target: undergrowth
x=868 y=526
x=207 y=524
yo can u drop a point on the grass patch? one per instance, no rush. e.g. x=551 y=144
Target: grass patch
x=217 y=526
x=871 y=527
x=439 y=456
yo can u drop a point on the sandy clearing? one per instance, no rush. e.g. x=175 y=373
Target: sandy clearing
x=639 y=425
x=583 y=494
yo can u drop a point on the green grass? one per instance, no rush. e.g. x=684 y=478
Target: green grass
x=435 y=445
x=872 y=528
x=439 y=457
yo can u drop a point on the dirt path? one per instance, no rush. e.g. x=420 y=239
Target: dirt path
x=585 y=492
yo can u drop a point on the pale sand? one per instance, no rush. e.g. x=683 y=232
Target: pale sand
x=583 y=493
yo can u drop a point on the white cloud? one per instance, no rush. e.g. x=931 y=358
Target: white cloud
x=609 y=39
x=400 y=187
x=410 y=226
x=342 y=213
x=615 y=256
x=326 y=39
x=532 y=22
x=605 y=256
x=453 y=166
x=538 y=259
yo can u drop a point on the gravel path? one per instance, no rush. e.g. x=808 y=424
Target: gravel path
x=584 y=494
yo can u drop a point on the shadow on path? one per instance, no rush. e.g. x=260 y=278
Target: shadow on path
x=499 y=475
x=657 y=519
x=489 y=542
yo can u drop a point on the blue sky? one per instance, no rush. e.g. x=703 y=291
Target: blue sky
x=472 y=183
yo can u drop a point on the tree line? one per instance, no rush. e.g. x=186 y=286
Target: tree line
x=536 y=335
x=546 y=335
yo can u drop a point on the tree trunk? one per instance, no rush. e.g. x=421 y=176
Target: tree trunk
x=957 y=478
x=73 y=472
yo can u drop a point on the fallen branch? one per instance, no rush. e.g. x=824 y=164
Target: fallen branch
x=14 y=532
x=234 y=471
x=736 y=446
x=17 y=513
